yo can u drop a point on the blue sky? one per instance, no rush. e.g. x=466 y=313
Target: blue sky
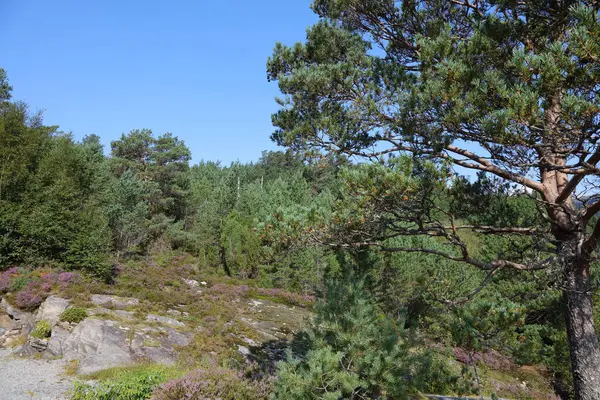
x=193 y=68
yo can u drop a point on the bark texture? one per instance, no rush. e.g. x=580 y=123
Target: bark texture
x=581 y=332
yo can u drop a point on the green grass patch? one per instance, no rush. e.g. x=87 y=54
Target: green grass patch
x=74 y=314
x=42 y=330
x=124 y=383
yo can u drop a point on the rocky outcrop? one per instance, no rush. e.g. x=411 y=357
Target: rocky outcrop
x=164 y=320
x=14 y=324
x=51 y=309
x=99 y=344
x=117 y=333
x=117 y=302
x=21 y=320
x=59 y=334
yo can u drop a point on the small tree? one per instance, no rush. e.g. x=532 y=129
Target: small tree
x=504 y=87
x=355 y=352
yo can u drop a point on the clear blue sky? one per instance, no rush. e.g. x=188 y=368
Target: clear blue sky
x=193 y=68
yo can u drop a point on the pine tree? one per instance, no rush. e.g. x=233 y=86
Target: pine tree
x=507 y=88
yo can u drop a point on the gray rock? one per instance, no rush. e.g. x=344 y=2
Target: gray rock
x=51 y=309
x=57 y=338
x=128 y=315
x=6 y=322
x=25 y=350
x=125 y=314
x=20 y=319
x=113 y=301
x=163 y=320
x=177 y=338
x=98 y=344
x=191 y=282
x=244 y=350
x=38 y=344
x=10 y=310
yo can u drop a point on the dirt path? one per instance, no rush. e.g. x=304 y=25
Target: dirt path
x=26 y=379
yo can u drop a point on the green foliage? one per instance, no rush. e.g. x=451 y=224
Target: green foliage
x=19 y=283
x=74 y=314
x=42 y=330
x=241 y=246
x=355 y=351
x=5 y=88
x=160 y=166
x=124 y=384
x=289 y=222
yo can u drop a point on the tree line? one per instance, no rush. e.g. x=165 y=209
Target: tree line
x=294 y=220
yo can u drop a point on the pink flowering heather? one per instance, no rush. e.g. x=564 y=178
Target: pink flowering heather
x=229 y=291
x=27 y=299
x=216 y=383
x=49 y=277
x=67 y=277
x=4 y=282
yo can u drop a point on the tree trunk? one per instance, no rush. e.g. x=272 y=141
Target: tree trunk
x=224 y=260
x=581 y=333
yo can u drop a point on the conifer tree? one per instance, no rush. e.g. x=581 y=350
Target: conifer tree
x=509 y=88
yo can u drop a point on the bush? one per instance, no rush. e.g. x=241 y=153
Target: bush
x=133 y=384
x=42 y=330
x=19 y=283
x=28 y=299
x=354 y=351
x=217 y=383
x=75 y=315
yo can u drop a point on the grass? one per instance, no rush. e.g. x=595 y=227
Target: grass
x=124 y=383
x=128 y=371
x=18 y=341
x=71 y=368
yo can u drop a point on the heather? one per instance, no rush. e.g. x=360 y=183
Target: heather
x=30 y=287
x=213 y=383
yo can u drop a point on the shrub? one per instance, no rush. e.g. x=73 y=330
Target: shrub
x=42 y=330
x=19 y=283
x=216 y=383
x=75 y=314
x=28 y=299
x=5 y=282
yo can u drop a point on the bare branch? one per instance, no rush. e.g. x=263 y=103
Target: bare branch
x=484 y=164
x=576 y=180
x=500 y=230
x=479 y=264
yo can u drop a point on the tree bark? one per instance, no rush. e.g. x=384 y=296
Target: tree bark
x=581 y=332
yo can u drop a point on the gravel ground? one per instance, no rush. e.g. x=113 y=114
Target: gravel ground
x=28 y=379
